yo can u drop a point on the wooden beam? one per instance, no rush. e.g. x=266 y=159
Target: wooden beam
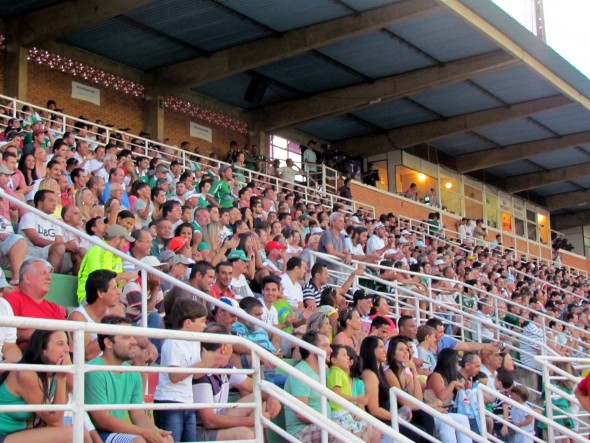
x=227 y=62
x=429 y=131
x=567 y=199
x=507 y=154
x=63 y=18
x=538 y=179
x=340 y=101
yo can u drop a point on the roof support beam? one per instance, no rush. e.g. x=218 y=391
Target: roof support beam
x=565 y=221
x=64 y=18
x=538 y=179
x=426 y=132
x=340 y=101
x=516 y=50
x=227 y=62
x=567 y=199
x=507 y=154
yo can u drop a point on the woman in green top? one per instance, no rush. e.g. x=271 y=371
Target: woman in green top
x=34 y=388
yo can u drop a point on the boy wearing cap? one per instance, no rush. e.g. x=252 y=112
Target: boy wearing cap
x=276 y=258
x=239 y=283
x=99 y=258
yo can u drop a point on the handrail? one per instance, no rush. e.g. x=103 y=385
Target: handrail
x=394 y=393
x=484 y=390
x=545 y=283
x=79 y=328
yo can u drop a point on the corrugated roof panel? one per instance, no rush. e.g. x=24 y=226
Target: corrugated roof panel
x=514 y=131
x=333 y=129
x=376 y=55
x=288 y=15
x=232 y=89
x=9 y=9
x=444 y=36
x=309 y=73
x=455 y=99
x=557 y=188
x=566 y=120
x=584 y=182
x=365 y=5
x=142 y=49
x=564 y=157
x=462 y=144
x=515 y=85
x=515 y=168
x=199 y=23
x=395 y=114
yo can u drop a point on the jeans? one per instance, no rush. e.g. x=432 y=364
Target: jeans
x=154 y=321
x=182 y=423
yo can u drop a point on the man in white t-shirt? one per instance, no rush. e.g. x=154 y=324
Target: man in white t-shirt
x=289 y=172
x=44 y=238
x=292 y=290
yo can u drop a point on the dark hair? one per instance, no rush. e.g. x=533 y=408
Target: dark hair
x=168 y=207
x=200 y=267
x=214 y=328
x=186 y=309
x=356 y=368
x=367 y=356
x=98 y=281
x=294 y=262
x=334 y=354
x=125 y=214
x=33 y=354
x=91 y=223
x=379 y=321
x=220 y=264
x=110 y=320
x=317 y=269
x=328 y=296
x=506 y=378
x=249 y=303
x=181 y=226
x=403 y=319
x=22 y=168
x=344 y=316
x=40 y=196
x=392 y=348
x=311 y=337
x=446 y=364
x=269 y=279
x=137 y=186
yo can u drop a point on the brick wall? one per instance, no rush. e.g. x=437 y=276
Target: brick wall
x=117 y=108
x=176 y=128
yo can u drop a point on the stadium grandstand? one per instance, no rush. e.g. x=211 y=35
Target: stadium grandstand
x=278 y=220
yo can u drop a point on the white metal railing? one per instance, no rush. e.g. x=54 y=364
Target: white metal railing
x=483 y=390
x=396 y=418
x=167 y=153
x=79 y=368
x=552 y=374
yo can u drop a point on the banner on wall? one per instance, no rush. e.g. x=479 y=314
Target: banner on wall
x=200 y=131
x=86 y=93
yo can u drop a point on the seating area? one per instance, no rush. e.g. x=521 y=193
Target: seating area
x=296 y=261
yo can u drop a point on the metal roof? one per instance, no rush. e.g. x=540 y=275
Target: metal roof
x=368 y=76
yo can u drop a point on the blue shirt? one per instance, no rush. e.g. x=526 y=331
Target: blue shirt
x=446 y=342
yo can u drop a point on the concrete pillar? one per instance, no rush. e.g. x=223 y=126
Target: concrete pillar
x=15 y=73
x=154 y=116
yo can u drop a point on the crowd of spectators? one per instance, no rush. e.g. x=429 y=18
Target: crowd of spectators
x=249 y=245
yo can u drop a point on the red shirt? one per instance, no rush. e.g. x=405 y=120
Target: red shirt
x=25 y=306
x=217 y=292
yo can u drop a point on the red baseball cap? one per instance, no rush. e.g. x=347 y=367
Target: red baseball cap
x=274 y=245
x=177 y=243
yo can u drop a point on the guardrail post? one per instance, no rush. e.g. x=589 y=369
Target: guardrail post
x=78 y=390
x=323 y=400
x=257 y=393
x=144 y=298
x=481 y=406
x=394 y=410
x=548 y=402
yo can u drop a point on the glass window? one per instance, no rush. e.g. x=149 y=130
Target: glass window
x=426 y=186
x=491 y=209
x=381 y=167
x=282 y=149
x=543 y=223
x=450 y=192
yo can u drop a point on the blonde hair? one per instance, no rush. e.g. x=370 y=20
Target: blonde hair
x=211 y=234
x=50 y=185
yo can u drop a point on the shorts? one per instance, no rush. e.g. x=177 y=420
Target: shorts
x=114 y=437
x=345 y=419
x=6 y=245
x=36 y=252
x=205 y=434
x=312 y=434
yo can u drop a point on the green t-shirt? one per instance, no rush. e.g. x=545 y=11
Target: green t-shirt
x=11 y=422
x=112 y=389
x=300 y=389
x=221 y=192
x=96 y=258
x=338 y=378
x=283 y=309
